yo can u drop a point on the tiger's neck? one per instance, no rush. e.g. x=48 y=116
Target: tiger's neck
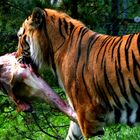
x=68 y=53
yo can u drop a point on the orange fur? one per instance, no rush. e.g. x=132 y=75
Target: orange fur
x=95 y=70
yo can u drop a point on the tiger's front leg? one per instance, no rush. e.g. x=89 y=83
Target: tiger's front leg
x=74 y=132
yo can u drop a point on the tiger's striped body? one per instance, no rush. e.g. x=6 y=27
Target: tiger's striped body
x=99 y=73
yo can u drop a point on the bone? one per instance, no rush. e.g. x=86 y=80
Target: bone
x=22 y=83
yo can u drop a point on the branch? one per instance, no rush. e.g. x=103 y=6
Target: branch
x=22 y=134
x=16 y=7
x=54 y=129
x=35 y=119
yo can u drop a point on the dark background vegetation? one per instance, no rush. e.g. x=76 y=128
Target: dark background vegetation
x=115 y=17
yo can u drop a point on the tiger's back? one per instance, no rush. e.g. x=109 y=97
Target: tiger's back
x=117 y=78
x=99 y=73
x=108 y=78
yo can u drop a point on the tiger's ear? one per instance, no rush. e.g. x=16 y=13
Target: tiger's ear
x=38 y=17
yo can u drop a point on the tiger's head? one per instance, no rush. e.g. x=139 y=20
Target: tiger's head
x=32 y=38
x=42 y=34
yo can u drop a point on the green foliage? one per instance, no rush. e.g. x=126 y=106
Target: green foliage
x=120 y=132
x=92 y=8
x=12 y=14
x=43 y=123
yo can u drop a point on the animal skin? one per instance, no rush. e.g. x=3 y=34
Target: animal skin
x=22 y=85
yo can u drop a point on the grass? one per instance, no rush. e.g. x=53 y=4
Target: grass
x=14 y=126
x=120 y=132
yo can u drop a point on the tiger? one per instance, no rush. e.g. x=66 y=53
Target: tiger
x=99 y=73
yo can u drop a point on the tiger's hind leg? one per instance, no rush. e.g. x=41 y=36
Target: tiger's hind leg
x=74 y=132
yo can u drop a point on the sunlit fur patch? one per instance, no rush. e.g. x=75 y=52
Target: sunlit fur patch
x=20 y=32
x=36 y=54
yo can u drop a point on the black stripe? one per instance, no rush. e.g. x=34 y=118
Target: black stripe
x=110 y=89
x=79 y=32
x=60 y=28
x=102 y=46
x=129 y=111
x=135 y=72
x=51 y=55
x=117 y=114
x=71 y=27
x=127 y=45
x=60 y=31
x=113 y=41
x=75 y=136
x=120 y=81
x=66 y=26
x=45 y=12
x=88 y=94
x=24 y=38
x=70 y=138
x=91 y=42
x=129 y=40
x=102 y=95
x=71 y=36
x=26 y=52
x=118 y=54
x=23 y=32
x=25 y=46
x=134 y=92
x=138 y=43
x=138 y=115
x=84 y=31
x=105 y=47
x=52 y=19
x=80 y=35
x=118 y=42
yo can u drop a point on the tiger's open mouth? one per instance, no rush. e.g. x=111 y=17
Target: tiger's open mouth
x=29 y=62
